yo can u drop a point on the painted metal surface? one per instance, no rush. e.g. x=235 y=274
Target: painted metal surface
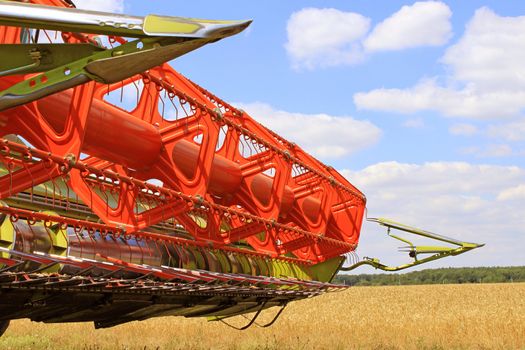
x=436 y=252
x=69 y=19
x=176 y=203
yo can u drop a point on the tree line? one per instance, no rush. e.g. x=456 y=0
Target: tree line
x=438 y=276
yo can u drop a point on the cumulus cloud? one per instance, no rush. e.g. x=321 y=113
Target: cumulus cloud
x=477 y=203
x=114 y=6
x=489 y=151
x=512 y=193
x=514 y=131
x=323 y=135
x=497 y=150
x=490 y=54
x=485 y=82
x=421 y=24
x=325 y=37
x=427 y=95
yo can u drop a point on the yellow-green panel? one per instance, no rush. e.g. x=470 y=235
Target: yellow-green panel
x=154 y=24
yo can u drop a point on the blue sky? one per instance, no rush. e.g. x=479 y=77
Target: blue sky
x=418 y=104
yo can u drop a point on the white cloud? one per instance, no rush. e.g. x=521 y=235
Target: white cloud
x=463 y=129
x=490 y=54
x=476 y=203
x=514 y=131
x=512 y=193
x=322 y=135
x=489 y=151
x=427 y=95
x=113 y=6
x=325 y=37
x=486 y=81
x=421 y=24
x=499 y=150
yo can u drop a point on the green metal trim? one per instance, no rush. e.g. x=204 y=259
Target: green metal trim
x=7 y=234
x=438 y=252
x=146 y=54
x=402 y=227
x=33 y=58
x=58 y=236
x=223 y=261
x=325 y=271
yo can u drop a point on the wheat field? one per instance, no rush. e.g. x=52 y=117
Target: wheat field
x=482 y=316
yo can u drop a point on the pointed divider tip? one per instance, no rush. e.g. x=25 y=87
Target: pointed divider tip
x=155 y=25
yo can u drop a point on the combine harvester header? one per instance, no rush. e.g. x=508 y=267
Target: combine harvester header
x=180 y=204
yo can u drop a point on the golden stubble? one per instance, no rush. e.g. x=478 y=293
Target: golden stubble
x=474 y=316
